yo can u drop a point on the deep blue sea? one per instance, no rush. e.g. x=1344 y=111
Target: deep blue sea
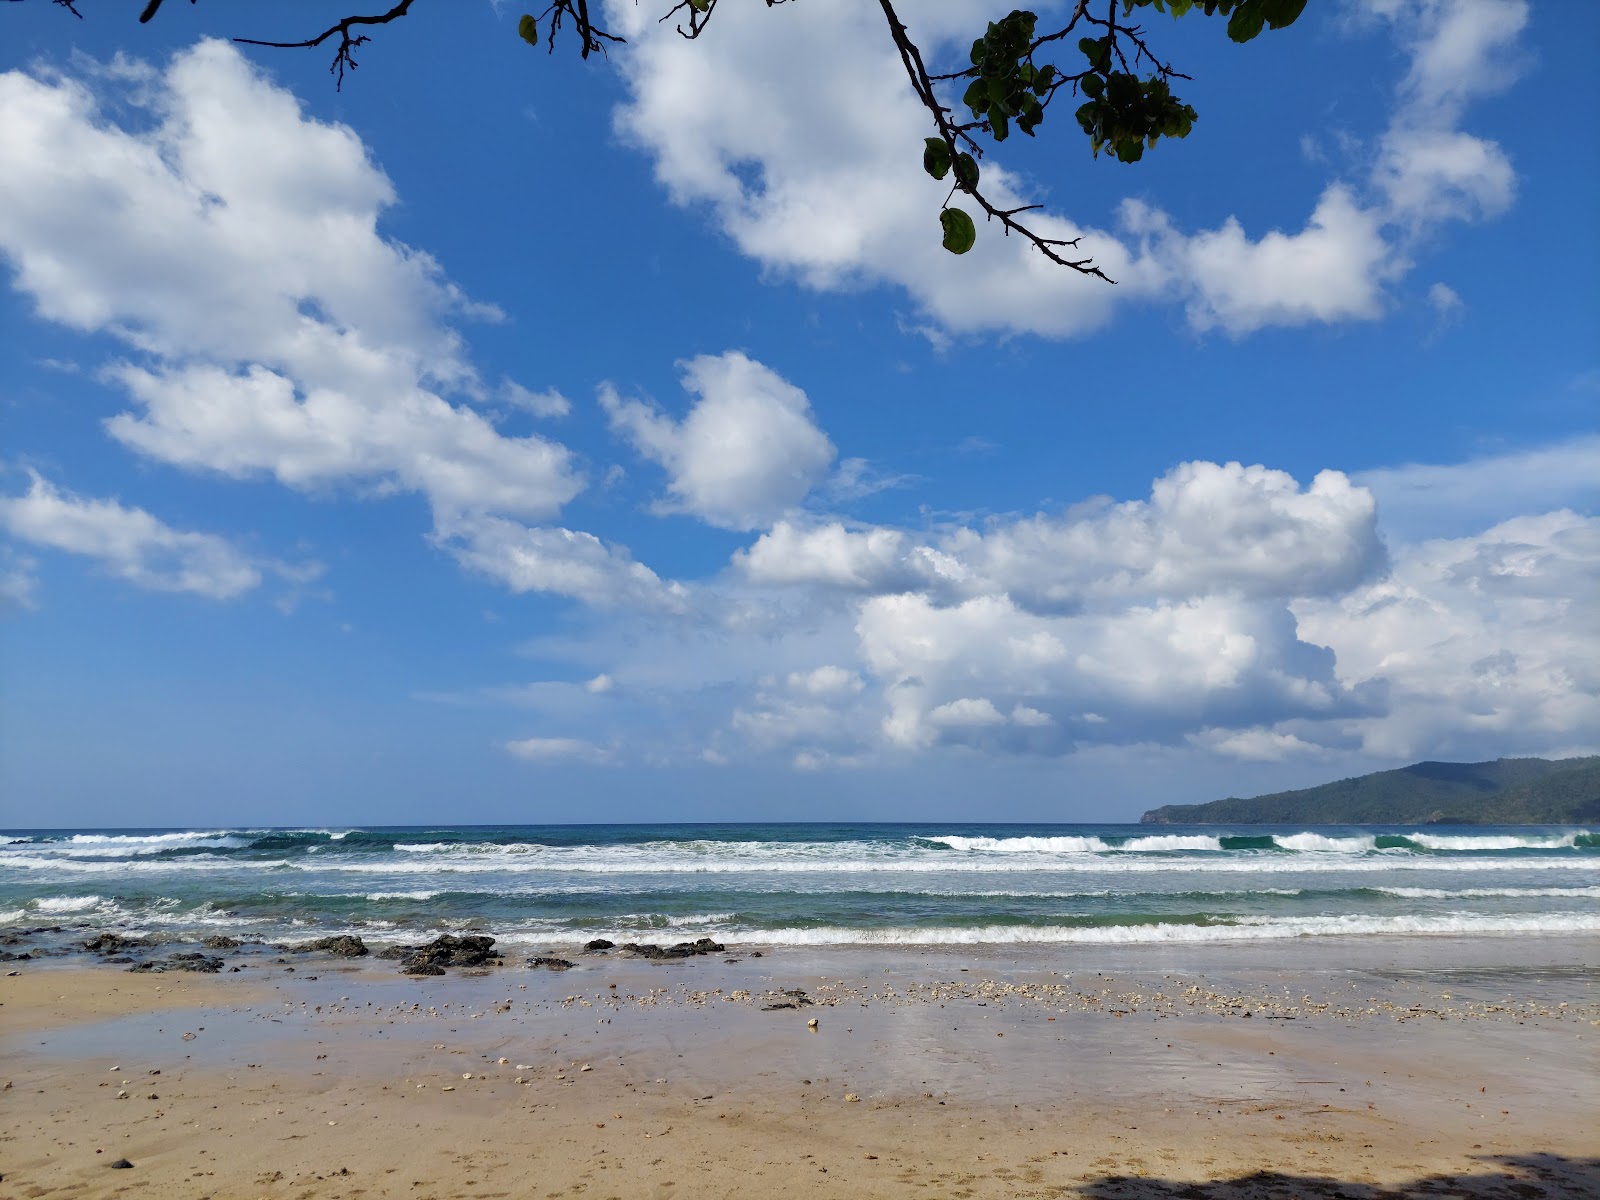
x=924 y=883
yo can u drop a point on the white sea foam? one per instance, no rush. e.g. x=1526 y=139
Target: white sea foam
x=604 y=861
x=1317 y=843
x=1434 y=841
x=1245 y=929
x=1421 y=893
x=1022 y=845
x=1165 y=842
x=110 y=845
x=67 y=904
x=399 y=895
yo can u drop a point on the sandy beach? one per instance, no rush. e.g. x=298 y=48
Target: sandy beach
x=1295 y=1071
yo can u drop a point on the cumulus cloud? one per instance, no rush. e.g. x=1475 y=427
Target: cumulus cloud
x=1233 y=612
x=1334 y=269
x=258 y=422
x=1148 y=671
x=132 y=545
x=557 y=561
x=1491 y=639
x=1207 y=527
x=747 y=450
x=866 y=560
x=202 y=219
x=804 y=186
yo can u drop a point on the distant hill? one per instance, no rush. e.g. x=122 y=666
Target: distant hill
x=1507 y=791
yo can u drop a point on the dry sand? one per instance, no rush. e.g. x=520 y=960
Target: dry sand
x=919 y=1079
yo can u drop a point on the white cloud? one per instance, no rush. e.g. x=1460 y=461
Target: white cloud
x=1332 y=270
x=806 y=187
x=600 y=685
x=1424 y=500
x=548 y=404
x=209 y=224
x=966 y=712
x=560 y=562
x=256 y=421
x=1487 y=640
x=130 y=544
x=1206 y=528
x=1446 y=303
x=1256 y=745
x=557 y=750
x=1153 y=672
x=1427 y=170
x=747 y=451
x=1233 y=615
x=869 y=560
x=19 y=585
x=1434 y=175
x=825 y=681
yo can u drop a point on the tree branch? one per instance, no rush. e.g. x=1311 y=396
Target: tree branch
x=922 y=85
x=344 y=56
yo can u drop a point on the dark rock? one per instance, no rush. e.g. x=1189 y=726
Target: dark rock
x=755 y=954
x=447 y=950
x=787 y=998
x=680 y=950
x=121 y=1164
x=221 y=941
x=7 y=956
x=555 y=964
x=114 y=943
x=599 y=944
x=180 y=962
x=343 y=946
x=393 y=952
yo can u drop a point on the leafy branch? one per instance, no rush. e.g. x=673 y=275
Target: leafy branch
x=1125 y=87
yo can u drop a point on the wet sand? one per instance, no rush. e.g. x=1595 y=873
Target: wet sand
x=1362 y=1071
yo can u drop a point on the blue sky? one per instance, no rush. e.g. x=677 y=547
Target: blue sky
x=506 y=438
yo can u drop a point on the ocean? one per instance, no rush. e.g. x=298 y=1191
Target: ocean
x=917 y=884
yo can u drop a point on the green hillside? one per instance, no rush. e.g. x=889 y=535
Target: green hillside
x=1507 y=791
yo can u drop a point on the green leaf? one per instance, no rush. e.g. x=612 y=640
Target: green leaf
x=977 y=97
x=528 y=29
x=1093 y=86
x=936 y=157
x=999 y=127
x=959 y=231
x=1280 y=13
x=966 y=172
x=1247 y=21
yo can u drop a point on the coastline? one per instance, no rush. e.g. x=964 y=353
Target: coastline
x=1107 y=1071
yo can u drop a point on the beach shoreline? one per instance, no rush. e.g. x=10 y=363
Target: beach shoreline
x=1344 y=1064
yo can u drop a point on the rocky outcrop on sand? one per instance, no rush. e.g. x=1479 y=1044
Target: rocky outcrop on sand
x=115 y=943
x=446 y=950
x=343 y=946
x=682 y=950
x=188 y=961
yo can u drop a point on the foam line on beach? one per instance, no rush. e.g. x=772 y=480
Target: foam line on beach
x=1240 y=929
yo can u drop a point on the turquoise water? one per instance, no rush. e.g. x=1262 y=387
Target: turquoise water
x=911 y=884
